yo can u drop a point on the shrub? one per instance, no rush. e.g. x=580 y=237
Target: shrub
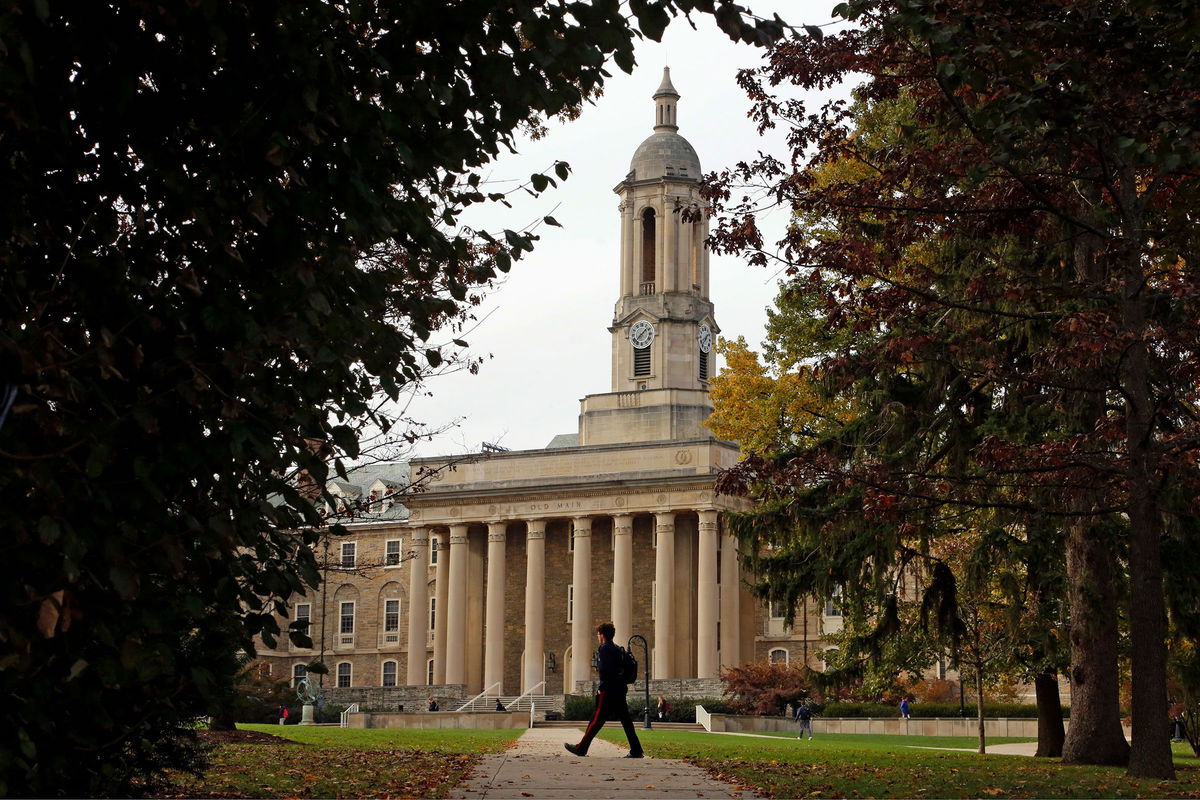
x=763 y=688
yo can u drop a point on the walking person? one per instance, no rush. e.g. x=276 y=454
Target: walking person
x=904 y=708
x=610 y=702
x=664 y=708
x=804 y=717
x=283 y=715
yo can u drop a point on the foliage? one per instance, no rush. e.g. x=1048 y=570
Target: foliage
x=856 y=765
x=254 y=697
x=344 y=763
x=231 y=243
x=1011 y=242
x=760 y=687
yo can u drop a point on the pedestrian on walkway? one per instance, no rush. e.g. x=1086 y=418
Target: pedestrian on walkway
x=804 y=717
x=664 y=708
x=610 y=702
x=904 y=707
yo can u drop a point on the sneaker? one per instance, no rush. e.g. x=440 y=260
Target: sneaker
x=635 y=755
x=573 y=750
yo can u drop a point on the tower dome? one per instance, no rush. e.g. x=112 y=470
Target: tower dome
x=665 y=154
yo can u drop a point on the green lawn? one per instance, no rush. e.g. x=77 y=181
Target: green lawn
x=343 y=762
x=880 y=742
x=849 y=765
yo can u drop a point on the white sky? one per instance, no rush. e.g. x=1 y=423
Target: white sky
x=546 y=326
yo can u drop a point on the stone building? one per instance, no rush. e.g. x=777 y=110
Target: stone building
x=494 y=577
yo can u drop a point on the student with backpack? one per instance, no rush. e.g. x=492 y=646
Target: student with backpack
x=618 y=669
x=804 y=717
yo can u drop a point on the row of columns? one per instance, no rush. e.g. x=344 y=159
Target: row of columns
x=450 y=600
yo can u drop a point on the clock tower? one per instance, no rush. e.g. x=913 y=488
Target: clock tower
x=663 y=330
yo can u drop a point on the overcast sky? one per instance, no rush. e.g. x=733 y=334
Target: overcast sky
x=546 y=326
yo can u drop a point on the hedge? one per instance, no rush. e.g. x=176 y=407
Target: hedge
x=991 y=710
x=582 y=707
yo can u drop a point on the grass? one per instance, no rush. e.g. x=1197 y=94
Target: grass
x=849 y=765
x=882 y=742
x=343 y=762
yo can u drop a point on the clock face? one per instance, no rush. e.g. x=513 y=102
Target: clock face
x=641 y=334
x=705 y=337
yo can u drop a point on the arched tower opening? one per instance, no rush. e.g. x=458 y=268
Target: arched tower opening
x=649 y=237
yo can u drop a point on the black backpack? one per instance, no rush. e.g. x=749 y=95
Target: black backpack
x=629 y=666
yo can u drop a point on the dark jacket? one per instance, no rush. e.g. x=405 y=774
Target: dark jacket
x=803 y=713
x=611 y=679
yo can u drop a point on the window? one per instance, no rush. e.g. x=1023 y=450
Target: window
x=833 y=606
x=374 y=505
x=389 y=673
x=718 y=566
x=303 y=616
x=432 y=613
x=570 y=540
x=703 y=365
x=391 y=616
x=641 y=362
x=779 y=656
x=391 y=552
x=648 y=254
x=347 y=617
x=653 y=599
x=349 y=551
x=429 y=672
x=777 y=609
x=343 y=675
x=298 y=672
x=570 y=604
x=434 y=546
x=941 y=669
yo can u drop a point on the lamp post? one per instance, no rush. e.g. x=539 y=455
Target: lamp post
x=646 y=660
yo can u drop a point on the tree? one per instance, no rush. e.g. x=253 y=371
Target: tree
x=1028 y=248
x=229 y=229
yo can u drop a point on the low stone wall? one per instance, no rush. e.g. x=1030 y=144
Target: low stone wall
x=389 y=698
x=671 y=688
x=894 y=726
x=482 y=720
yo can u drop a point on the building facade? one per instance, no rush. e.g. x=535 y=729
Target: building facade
x=495 y=575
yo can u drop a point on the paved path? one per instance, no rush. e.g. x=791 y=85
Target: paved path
x=538 y=766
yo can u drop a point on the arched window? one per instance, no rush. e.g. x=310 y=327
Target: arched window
x=648 y=251
x=779 y=656
x=298 y=672
x=389 y=673
x=343 y=675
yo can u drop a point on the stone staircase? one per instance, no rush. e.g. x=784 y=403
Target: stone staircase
x=512 y=703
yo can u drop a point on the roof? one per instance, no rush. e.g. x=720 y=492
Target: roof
x=563 y=440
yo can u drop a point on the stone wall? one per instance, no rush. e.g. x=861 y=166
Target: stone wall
x=670 y=688
x=493 y=720
x=387 y=698
x=892 y=726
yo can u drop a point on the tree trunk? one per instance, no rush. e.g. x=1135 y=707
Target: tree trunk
x=979 y=706
x=1095 y=735
x=1151 y=754
x=1050 y=719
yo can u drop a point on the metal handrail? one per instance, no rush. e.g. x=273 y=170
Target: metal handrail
x=484 y=693
x=537 y=685
x=350 y=709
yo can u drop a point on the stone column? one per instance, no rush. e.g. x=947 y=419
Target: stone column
x=706 y=597
x=670 y=256
x=622 y=591
x=535 y=603
x=418 y=607
x=730 y=613
x=493 y=637
x=583 y=635
x=628 y=278
x=664 y=602
x=456 y=608
x=441 y=598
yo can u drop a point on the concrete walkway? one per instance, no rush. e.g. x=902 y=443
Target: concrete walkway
x=538 y=766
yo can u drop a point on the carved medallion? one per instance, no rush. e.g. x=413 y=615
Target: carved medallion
x=683 y=456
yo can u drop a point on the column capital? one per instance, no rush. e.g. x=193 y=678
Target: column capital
x=664 y=519
x=581 y=527
x=458 y=538
x=419 y=536
x=496 y=537
x=622 y=524
x=535 y=529
x=708 y=519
